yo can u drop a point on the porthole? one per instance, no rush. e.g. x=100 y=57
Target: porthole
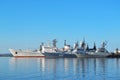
x=15 y=52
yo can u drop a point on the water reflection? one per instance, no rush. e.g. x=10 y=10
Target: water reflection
x=65 y=68
x=26 y=63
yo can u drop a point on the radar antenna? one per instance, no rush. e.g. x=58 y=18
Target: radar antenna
x=104 y=44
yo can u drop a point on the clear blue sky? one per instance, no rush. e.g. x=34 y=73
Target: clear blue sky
x=26 y=23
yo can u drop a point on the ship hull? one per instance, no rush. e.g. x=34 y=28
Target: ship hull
x=93 y=55
x=16 y=53
x=59 y=55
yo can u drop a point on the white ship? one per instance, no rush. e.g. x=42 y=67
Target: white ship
x=54 y=52
x=26 y=53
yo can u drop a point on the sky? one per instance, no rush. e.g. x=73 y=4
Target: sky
x=24 y=24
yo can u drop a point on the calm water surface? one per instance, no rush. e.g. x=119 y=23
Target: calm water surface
x=59 y=69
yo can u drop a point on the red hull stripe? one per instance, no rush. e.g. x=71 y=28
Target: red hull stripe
x=29 y=56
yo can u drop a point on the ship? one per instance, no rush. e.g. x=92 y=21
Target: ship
x=26 y=53
x=54 y=52
x=85 y=51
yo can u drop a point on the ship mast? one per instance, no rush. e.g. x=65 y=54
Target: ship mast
x=83 y=44
x=94 y=47
x=42 y=44
x=54 y=42
x=65 y=43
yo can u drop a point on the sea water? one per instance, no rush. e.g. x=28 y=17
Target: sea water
x=59 y=69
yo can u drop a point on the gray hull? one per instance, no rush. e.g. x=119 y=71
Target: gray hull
x=59 y=55
x=94 y=55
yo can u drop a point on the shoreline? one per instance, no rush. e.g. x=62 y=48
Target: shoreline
x=5 y=55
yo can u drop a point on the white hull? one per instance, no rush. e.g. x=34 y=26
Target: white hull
x=18 y=53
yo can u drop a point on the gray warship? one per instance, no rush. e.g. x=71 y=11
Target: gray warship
x=76 y=51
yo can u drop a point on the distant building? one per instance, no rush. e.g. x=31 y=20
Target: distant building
x=117 y=51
